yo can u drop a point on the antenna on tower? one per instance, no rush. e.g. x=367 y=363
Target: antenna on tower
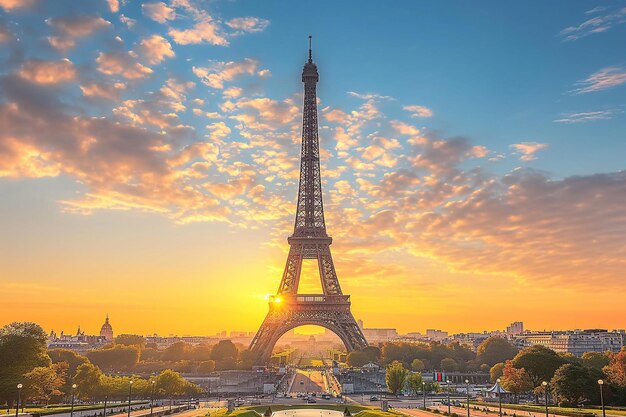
x=310 y=52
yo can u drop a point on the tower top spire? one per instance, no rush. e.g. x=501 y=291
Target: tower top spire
x=310 y=48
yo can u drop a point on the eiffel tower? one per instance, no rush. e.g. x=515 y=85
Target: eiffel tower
x=288 y=309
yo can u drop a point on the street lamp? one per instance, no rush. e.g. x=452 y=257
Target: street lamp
x=601 y=383
x=545 y=391
x=467 y=389
x=19 y=397
x=106 y=397
x=73 y=394
x=130 y=394
x=152 y=398
x=424 y=392
x=499 y=397
x=448 y=382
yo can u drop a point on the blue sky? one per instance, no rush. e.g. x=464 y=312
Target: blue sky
x=461 y=139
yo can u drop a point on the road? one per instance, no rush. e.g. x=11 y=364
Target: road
x=307 y=382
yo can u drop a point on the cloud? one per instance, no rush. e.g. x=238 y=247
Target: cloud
x=369 y=96
x=404 y=128
x=158 y=12
x=418 y=111
x=114 y=5
x=5 y=34
x=248 y=24
x=217 y=73
x=155 y=49
x=78 y=26
x=105 y=91
x=597 y=24
x=124 y=64
x=10 y=5
x=587 y=116
x=48 y=72
x=204 y=31
x=603 y=79
x=527 y=150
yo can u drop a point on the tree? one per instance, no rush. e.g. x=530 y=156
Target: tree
x=88 y=381
x=414 y=382
x=417 y=365
x=496 y=372
x=595 y=360
x=616 y=369
x=571 y=384
x=73 y=361
x=495 y=349
x=539 y=362
x=43 y=382
x=177 y=351
x=356 y=358
x=22 y=348
x=516 y=380
x=395 y=377
x=119 y=357
x=449 y=365
x=131 y=340
x=170 y=384
x=224 y=349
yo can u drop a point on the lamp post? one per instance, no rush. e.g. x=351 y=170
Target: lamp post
x=601 y=383
x=467 y=389
x=448 y=383
x=130 y=394
x=545 y=391
x=73 y=395
x=152 y=397
x=19 y=398
x=106 y=397
x=424 y=392
x=499 y=397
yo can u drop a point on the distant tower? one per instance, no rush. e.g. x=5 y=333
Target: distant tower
x=106 y=331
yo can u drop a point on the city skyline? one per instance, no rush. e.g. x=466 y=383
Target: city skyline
x=472 y=173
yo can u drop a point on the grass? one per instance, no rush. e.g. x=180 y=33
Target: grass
x=355 y=410
x=554 y=410
x=62 y=408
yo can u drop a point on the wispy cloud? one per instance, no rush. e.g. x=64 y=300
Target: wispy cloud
x=418 y=111
x=597 y=24
x=603 y=79
x=587 y=116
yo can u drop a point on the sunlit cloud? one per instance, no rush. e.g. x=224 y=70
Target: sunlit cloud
x=10 y=5
x=418 y=111
x=159 y=12
x=527 y=150
x=49 y=72
x=217 y=73
x=204 y=31
x=596 y=24
x=248 y=24
x=155 y=49
x=124 y=64
x=587 y=116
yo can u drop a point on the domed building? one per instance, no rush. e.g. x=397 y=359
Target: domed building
x=106 y=331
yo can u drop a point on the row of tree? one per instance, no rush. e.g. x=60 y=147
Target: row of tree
x=49 y=376
x=132 y=353
x=437 y=356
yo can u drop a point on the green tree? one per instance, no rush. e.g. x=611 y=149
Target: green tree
x=224 y=349
x=496 y=372
x=177 y=352
x=88 y=381
x=73 y=361
x=539 y=362
x=449 y=365
x=417 y=365
x=131 y=340
x=395 y=377
x=117 y=358
x=572 y=383
x=170 y=384
x=43 y=382
x=495 y=349
x=595 y=360
x=22 y=348
x=414 y=382
x=356 y=358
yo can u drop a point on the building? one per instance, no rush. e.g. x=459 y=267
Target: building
x=436 y=334
x=106 y=331
x=575 y=342
x=516 y=327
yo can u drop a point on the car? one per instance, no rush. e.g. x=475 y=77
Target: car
x=255 y=402
x=311 y=400
x=301 y=382
x=373 y=398
x=314 y=395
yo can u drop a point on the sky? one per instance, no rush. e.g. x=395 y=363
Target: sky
x=473 y=159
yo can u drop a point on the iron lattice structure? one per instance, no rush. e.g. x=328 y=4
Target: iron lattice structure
x=288 y=309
